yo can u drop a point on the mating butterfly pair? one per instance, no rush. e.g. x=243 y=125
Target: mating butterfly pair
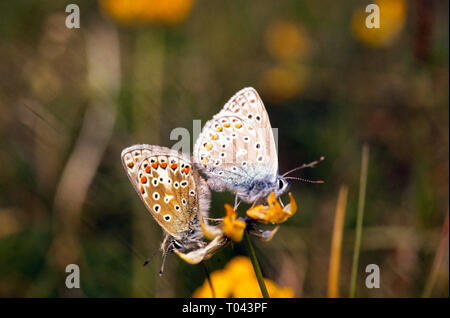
x=236 y=150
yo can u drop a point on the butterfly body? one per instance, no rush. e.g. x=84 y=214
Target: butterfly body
x=236 y=149
x=171 y=190
x=249 y=189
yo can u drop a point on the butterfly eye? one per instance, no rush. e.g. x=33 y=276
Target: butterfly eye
x=280 y=184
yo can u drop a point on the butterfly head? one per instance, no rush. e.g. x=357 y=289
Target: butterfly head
x=281 y=186
x=260 y=190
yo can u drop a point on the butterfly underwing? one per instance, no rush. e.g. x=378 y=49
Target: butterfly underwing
x=236 y=150
x=171 y=190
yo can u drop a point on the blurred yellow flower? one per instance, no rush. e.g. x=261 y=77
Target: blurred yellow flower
x=147 y=11
x=273 y=213
x=286 y=40
x=238 y=280
x=233 y=227
x=392 y=20
x=283 y=82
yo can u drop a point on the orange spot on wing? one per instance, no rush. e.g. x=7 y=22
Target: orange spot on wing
x=226 y=125
x=147 y=169
x=238 y=125
x=183 y=170
x=187 y=170
x=142 y=190
x=144 y=179
x=208 y=146
x=164 y=165
x=155 y=165
x=174 y=166
x=130 y=164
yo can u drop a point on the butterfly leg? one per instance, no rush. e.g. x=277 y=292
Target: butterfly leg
x=281 y=202
x=253 y=204
x=151 y=257
x=236 y=202
x=214 y=219
x=161 y=248
x=264 y=236
x=165 y=252
x=166 y=246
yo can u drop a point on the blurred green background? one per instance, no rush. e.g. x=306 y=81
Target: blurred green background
x=72 y=99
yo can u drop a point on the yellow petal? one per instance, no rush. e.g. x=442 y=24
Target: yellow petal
x=222 y=285
x=233 y=227
x=198 y=255
x=238 y=280
x=147 y=11
x=273 y=213
x=210 y=231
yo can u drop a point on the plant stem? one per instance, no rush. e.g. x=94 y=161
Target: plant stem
x=208 y=277
x=359 y=217
x=259 y=276
x=438 y=259
x=336 y=243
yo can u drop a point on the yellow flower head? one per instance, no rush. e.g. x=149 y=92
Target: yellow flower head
x=238 y=280
x=273 y=213
x=147 y=11
x=283 y=82
x=392 y=20
x=233 y=227
x=286 y=40
x=221 y=283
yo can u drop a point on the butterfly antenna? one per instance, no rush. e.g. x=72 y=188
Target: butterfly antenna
x=305 y=165
x=306 y=180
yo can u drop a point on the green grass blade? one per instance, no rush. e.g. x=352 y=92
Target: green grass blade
x=359 y=217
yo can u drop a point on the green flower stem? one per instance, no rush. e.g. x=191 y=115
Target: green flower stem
x=208 y=277
x=259 y=276
x=359 y=217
